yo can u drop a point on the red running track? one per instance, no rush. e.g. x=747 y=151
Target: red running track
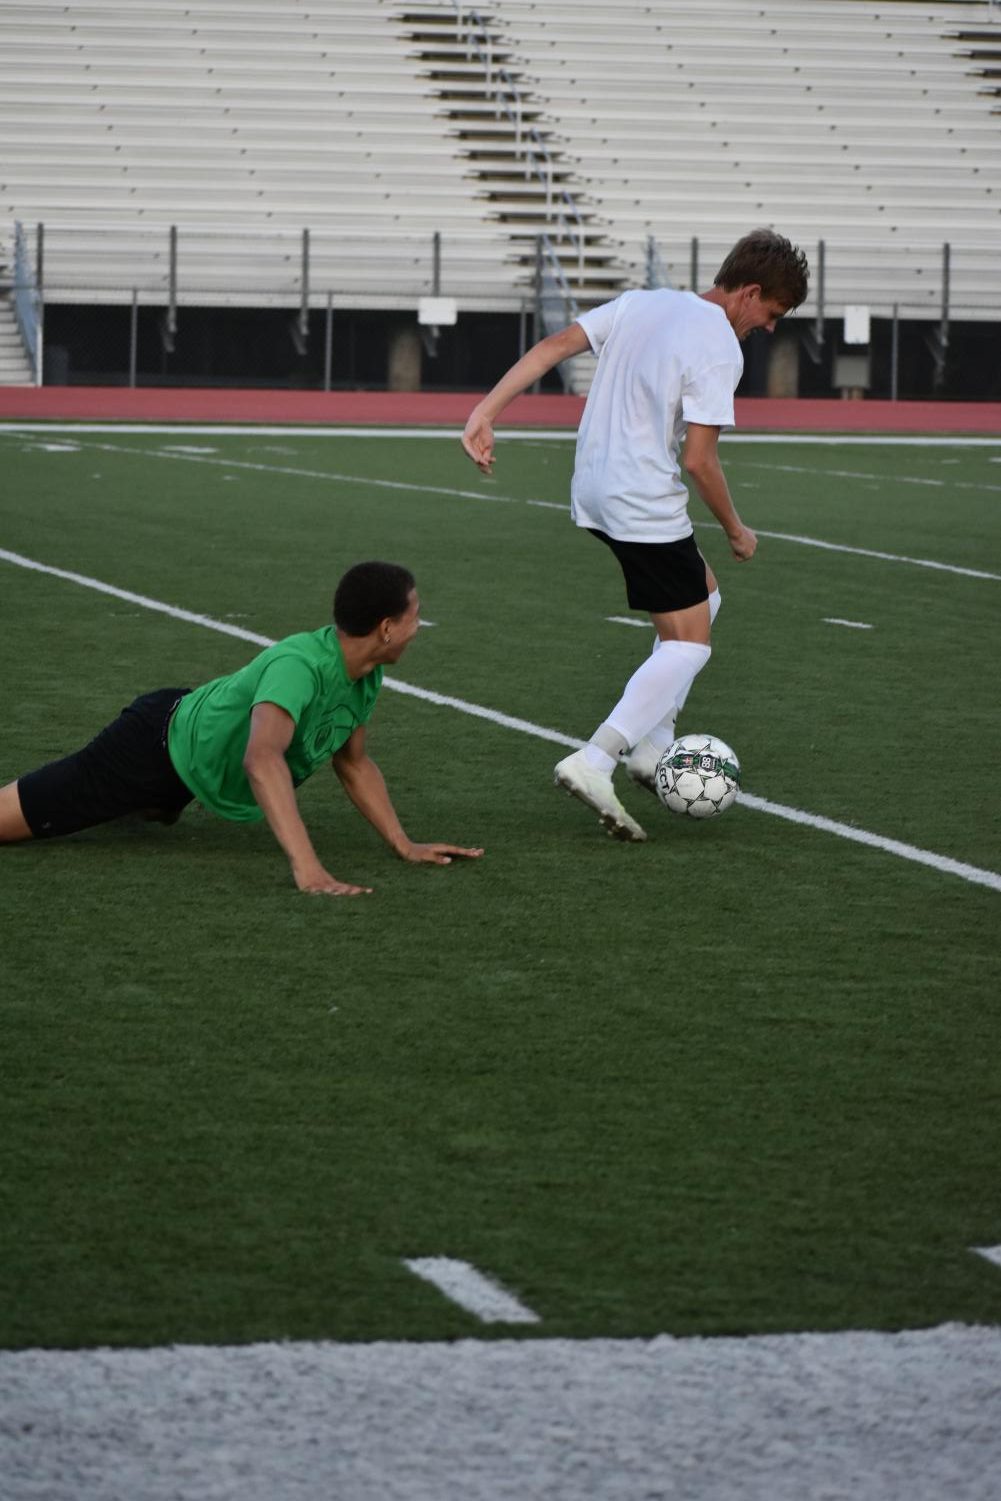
x=450 y=409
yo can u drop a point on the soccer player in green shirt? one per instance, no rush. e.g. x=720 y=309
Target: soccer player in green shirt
x=241 y=744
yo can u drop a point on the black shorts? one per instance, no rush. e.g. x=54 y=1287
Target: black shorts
x=124 y=769
x=660 y=576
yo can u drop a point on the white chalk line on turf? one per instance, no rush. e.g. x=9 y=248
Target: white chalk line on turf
x=297 y=473
x=883 y=479
x=868 y=552
x=471 y=1290
x=485 y=495
x=942 y=863
x=526 y=434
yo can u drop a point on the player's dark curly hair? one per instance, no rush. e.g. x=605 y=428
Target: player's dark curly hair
x=368 y=593
x=770 y=260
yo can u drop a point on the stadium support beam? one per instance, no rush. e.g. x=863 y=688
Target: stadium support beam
x=168 y=324
x=299 y=328
x=938 y=339
x=813 y=338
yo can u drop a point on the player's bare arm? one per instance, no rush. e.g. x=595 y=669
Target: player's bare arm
x=478 y=435
x=701 y=460
x=366 y=787
x=271 y=731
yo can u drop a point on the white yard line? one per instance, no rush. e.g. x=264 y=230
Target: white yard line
x=868 y=552
x=855 y=625
x=883 y=479
x=297 y=473
x=943 y=863
x=628 y=620
x=486 y=495
x=527 y=434
x=471 y=1290
x=990 y=1253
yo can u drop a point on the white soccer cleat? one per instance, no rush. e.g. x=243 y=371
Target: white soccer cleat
x=641 y=765
x=593 y=787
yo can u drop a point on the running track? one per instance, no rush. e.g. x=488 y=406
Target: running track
x=429 y=408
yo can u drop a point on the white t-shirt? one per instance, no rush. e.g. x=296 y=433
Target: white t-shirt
x=665 y=359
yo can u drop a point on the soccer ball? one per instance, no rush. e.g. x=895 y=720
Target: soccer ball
x=698 y=775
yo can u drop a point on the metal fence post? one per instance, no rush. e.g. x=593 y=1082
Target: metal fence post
x=40 y=285
x=172 y=305
x=693 y=283
x=895 y=353
x=168 y=324
x=328 y=341
x=304 y=304
x=134 y=337
x=537 y=331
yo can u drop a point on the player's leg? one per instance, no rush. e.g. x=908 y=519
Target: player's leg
x=644 y=757
x=124 y=770
x=13 y=824
x=669 y=581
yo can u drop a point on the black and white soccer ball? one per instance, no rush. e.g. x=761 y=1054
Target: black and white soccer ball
x=698 y=775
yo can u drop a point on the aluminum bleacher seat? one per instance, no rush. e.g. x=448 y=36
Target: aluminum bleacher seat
x=370 y=122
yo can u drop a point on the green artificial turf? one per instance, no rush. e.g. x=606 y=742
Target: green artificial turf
x=742 y=1078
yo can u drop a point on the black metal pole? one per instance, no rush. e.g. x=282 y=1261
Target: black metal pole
x=304 y=305
x=172 y=293
x=328 y=342
x=134 y=338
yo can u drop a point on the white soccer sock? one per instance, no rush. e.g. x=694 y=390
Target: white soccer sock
x=604 y=748
x=663 y=735
x=666 y=675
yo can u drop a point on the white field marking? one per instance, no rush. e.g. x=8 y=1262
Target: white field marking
x=529 y=434
x=385 y=484
x=297 y=473
x=426 y=622
x=941 y=863
x=628 y=620
x=188 y=448
x=990 y=1253
x=883 y=479
x=477 y=1294
x=856 y=625
x=867 y=552
x=174 y=611
x=479 y=711
x=549 y=505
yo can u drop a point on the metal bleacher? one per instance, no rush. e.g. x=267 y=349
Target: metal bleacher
x=376 y=124
x=855 y=122
x=242 y=125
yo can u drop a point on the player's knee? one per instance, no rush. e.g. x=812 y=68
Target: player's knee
x=13 y=824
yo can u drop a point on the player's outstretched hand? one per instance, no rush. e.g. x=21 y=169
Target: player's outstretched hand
x=319 y=882
x=438 y=854
x=478 y=441
x=743 y=544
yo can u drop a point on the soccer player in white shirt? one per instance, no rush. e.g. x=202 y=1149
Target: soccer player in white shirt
x=668 y=365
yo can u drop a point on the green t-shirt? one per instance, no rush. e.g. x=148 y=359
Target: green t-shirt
x=304 y=675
